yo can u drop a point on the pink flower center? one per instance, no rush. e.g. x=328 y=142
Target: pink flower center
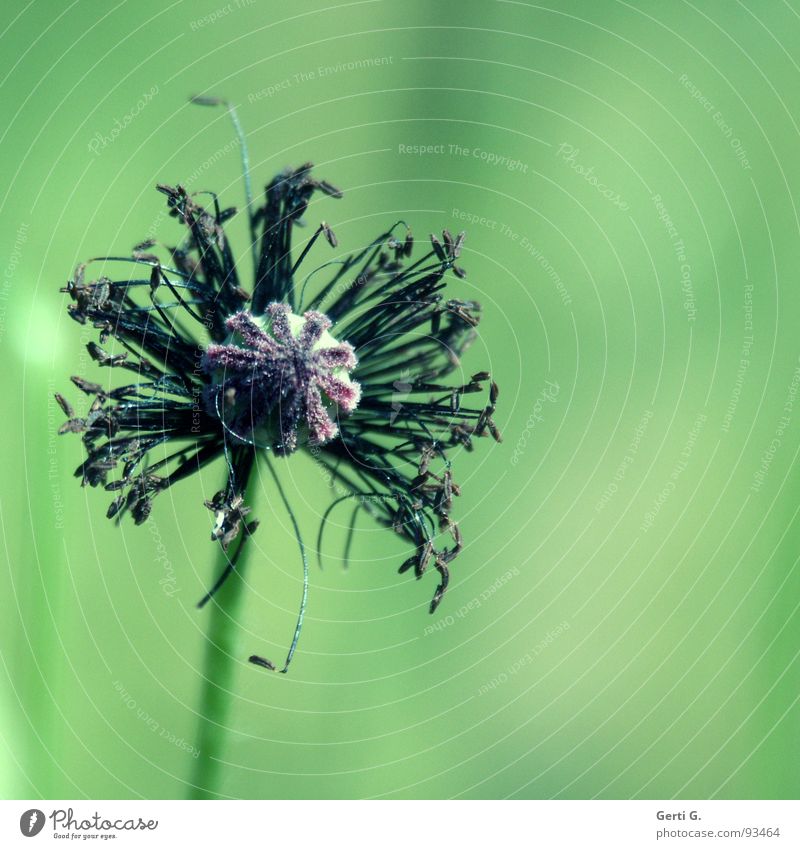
x=280 y=379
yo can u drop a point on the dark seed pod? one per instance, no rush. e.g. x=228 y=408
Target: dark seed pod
x=115 y=507
x=64 y=404
x=201 y=100
x=329 y=235
x=438 y=249
x=447 y=236
x=407 y=564
x=330 y=190
x=350 y=362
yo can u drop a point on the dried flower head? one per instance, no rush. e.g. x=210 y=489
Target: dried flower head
x=356 y=375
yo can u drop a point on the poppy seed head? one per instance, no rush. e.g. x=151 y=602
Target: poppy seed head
x=272 y=378
x=280 y=379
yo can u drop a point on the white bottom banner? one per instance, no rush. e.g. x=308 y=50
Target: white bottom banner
x=404 y=823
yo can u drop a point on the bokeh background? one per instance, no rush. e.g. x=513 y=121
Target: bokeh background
x=624 y=621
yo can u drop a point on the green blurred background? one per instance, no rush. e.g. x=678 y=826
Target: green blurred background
x=624 y=621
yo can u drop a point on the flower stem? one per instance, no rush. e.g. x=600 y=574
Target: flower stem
x=303 y=557
x=223 y=648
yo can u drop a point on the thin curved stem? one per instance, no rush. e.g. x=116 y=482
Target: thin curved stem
x=223 y=650
x=248 y=187
x=304 y=599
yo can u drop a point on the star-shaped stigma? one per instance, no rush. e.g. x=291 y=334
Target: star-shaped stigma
x=280 y=377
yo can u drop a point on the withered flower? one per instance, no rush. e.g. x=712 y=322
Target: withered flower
x=353 y=371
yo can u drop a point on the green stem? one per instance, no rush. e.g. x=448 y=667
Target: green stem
x=223 y=650
x=303 y=557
